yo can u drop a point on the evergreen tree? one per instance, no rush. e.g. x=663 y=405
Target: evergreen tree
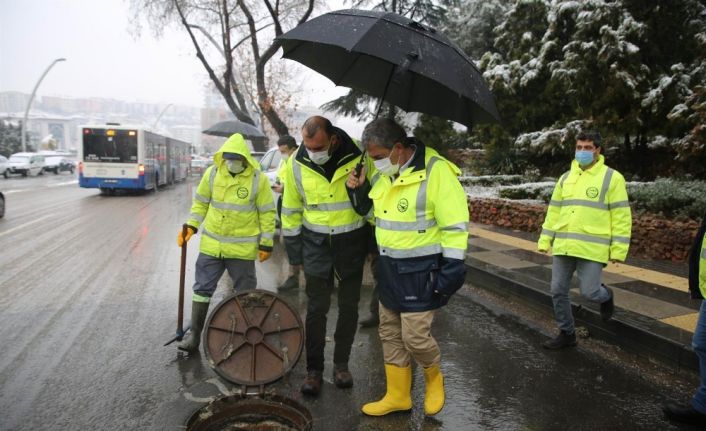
x=10 y=139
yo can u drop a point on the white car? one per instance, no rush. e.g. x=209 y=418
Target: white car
x=269 y=164
x=4 y=165
x=26 y=164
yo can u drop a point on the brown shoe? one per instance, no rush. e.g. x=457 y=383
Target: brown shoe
x=312 y=383
x=342 y=378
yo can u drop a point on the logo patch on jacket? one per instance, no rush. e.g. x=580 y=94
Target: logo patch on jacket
x=402 y=205
x=591 y=192
x=242 y=192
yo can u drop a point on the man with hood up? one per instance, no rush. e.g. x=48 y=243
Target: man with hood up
x=234 y=209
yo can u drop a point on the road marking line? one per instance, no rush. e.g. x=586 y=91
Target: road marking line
x=25 y=224
x=686 y=322
x=65 y=183
x=655 y=277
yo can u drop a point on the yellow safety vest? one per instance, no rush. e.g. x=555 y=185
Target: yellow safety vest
x=422 y=212
x=234 y=214
x=310 y=200
x=589 y=215
x=702 y=269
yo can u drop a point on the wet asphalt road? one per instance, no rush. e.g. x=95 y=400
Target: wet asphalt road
x=88 y=297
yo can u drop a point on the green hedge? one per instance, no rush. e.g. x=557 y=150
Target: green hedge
x=491 y=180
x=672 y=198
x=537 y=192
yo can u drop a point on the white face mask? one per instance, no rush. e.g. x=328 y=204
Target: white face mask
x=235 y=166
x=319 y=157
x=385 y=166
x=285 y=156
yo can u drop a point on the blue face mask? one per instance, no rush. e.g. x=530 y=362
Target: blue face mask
x=584 y=157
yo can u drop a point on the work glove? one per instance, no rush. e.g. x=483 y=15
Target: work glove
x=263 y=255
x=181 y=239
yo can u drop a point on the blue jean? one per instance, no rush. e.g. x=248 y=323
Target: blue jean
x=699 y=345
x=589 y=275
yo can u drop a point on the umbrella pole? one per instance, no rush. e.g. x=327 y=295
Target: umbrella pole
x=377 y=114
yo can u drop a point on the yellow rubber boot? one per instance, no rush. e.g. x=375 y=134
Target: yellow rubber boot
x=399 y=392
x=434 y=396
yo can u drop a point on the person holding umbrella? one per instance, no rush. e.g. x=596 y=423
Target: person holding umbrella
x=234 y=209
x=323 y=233
x=421 y=227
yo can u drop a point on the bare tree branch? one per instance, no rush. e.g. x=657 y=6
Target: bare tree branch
x=219 y=86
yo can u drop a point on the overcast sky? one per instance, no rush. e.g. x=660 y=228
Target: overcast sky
x=103 y=58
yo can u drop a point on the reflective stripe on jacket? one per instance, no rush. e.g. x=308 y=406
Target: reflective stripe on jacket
x=422 y=212
x=310 y=200
x=235 y=214
x=589 y=215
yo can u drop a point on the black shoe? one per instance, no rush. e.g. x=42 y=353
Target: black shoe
x=342 y=378
x=561 y=341
x=291 y=283
x=312 y=383
x=607 y=307
x=372 y=320
x=684 y=413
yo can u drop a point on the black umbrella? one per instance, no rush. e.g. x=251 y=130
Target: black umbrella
x=395 y=58
x=231 y=127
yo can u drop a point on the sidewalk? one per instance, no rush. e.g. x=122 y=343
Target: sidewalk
x=654 y=315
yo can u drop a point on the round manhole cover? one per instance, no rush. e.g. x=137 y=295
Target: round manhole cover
x=253 y=338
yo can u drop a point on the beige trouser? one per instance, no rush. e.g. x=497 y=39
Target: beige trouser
x=406 y=335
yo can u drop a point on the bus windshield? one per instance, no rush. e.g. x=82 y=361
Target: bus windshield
x=99 y=146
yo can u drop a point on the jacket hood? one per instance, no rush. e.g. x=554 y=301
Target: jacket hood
x=235 y=144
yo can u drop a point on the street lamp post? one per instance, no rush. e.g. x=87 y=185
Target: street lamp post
x=29 y=103
x=154 y=126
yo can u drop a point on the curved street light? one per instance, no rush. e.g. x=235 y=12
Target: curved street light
x=31 y=99
x=154 y=126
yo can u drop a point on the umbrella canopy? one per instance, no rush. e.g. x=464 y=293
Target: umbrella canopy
x=386 y=55
x=231 y=127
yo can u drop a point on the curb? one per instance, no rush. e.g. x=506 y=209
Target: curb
x=630 y=331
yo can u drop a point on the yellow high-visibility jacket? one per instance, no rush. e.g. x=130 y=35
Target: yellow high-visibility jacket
x=702 y=269
x=589 y=215
x=422 y=212
x=312 y=201
x=235 y=214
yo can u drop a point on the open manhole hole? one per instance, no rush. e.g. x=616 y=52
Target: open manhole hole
x=266 y=413
x=252 y=339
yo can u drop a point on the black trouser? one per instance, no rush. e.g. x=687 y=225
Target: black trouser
x=318 y=291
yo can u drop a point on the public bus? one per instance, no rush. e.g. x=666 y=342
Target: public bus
x=115 y=157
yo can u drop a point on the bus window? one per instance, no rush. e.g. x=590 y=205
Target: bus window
x=120 y=148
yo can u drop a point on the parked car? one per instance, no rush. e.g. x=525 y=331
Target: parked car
x=198 y=165
x=4 y=166
x=269 y=164
x=2 y=205
x=257 y=155
x=58 y=164
x=26 y=164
